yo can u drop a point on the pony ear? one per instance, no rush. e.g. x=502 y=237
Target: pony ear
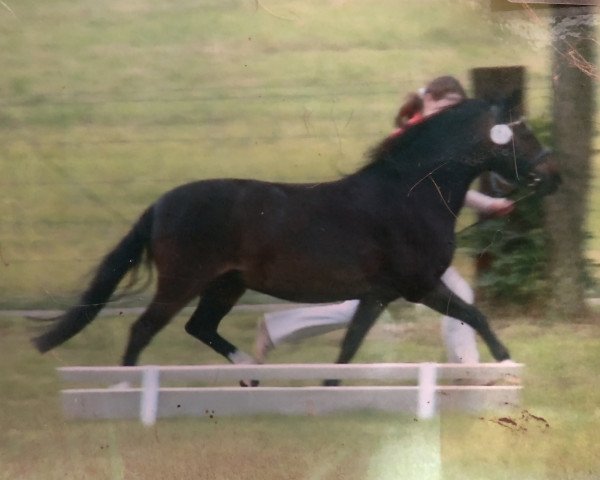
x=495 y=109
x=501 y=134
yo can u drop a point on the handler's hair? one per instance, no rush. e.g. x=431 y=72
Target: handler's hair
x=412 y=105
x=445 y=86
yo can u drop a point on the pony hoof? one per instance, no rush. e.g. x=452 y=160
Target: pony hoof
x=249 y=383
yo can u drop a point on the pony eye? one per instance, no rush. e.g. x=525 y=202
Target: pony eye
x=501 y=134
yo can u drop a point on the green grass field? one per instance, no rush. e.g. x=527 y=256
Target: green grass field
x=105 y=105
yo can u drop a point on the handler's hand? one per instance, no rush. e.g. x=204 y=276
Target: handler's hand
x=500 y=207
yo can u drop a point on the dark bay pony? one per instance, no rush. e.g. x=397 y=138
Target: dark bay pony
x=381 y=233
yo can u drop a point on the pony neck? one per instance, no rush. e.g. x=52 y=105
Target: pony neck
x=448 y=184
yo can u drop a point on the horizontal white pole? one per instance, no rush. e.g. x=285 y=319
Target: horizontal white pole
x=231 y=401
x=480 y=372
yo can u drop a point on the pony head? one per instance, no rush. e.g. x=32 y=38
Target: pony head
x=520 y=158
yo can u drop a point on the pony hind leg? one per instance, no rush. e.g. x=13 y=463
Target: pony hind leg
x=443 y=300
x=157 y=315
x=217 y=300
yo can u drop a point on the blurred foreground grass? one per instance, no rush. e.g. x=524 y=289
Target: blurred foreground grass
x=560 y=387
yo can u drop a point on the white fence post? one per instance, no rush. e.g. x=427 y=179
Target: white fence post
x=149 y=395
x=427 y=390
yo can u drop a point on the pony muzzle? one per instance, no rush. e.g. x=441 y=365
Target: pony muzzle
x=544 y=178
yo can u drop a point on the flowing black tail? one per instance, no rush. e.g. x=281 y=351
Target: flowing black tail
x=125 y=256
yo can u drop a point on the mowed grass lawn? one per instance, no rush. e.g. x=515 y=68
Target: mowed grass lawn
x=554 y=435
x=106 y=105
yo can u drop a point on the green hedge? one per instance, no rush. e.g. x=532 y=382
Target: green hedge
x=517 y=247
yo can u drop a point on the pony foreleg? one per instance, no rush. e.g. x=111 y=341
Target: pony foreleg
x=364 y=318
x=443 y=300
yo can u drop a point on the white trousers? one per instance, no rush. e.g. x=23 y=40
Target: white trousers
x=300 y=323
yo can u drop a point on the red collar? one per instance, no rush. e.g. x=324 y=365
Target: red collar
x=415 y=119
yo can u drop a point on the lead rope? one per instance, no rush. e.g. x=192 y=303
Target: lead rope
x=485 y=219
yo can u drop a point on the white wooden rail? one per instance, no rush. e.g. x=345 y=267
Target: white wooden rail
x=419 y=389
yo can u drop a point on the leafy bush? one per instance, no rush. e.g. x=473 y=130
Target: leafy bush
x=516 y=253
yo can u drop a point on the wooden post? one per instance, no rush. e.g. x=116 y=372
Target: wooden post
x=502 y=87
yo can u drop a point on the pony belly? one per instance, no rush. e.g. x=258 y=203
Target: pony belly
x=308 y=289
x=327 y=285
x=304 y=297
x=306 y=294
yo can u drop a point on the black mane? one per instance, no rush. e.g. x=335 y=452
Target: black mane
x=429 y=139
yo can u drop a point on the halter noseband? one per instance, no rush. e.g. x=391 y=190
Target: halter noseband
x=534 y=178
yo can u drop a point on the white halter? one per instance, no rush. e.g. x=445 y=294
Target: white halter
x=501 y=134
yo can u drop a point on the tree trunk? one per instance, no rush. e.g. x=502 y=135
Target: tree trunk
x=573 y=78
